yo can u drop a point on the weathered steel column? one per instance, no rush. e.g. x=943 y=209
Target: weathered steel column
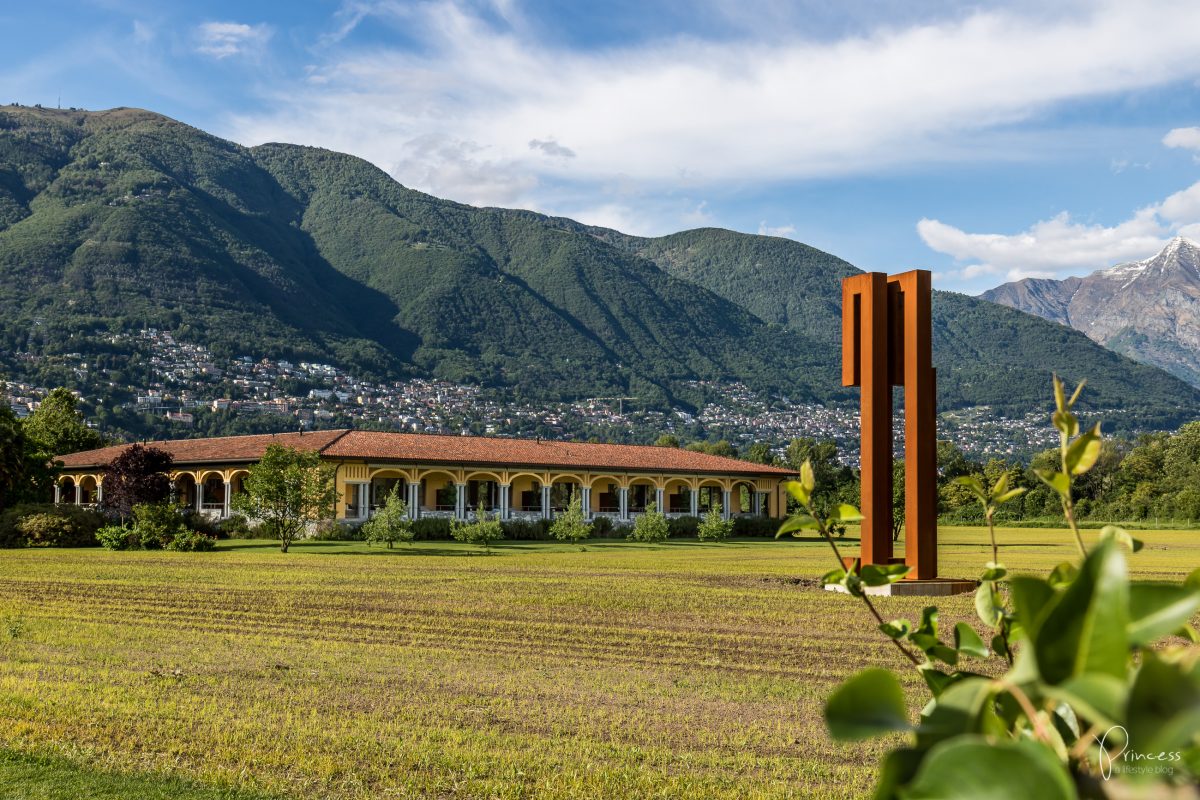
x=913 y=320
x=865 y=364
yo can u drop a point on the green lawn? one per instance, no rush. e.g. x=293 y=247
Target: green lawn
x=543 y=670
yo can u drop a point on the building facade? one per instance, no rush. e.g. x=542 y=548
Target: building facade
x=454 y=476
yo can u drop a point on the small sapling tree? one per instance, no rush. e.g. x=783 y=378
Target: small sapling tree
x=481 y=533
x=714 y=527
x=138 y=476
x=391 y=523
x=650 y=527
x=1099 y=674
x=287 y=489
x=571 y=525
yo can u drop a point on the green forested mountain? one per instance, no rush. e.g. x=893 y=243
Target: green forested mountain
x=118 y=219
x=985 y=355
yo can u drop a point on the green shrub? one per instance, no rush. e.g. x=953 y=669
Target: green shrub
x=192 y=542
x=481 y=533
x=681 y=527
x=571 y=526
x=714 y=527
x=45 y=530
x=77 y=528
x=157 y=524
x=527 y=529
x=431 y=529
x=340 y=532
x=755 y=526
x=234 y=526
x=391 y=523
x=117 y=537
x=650 y=527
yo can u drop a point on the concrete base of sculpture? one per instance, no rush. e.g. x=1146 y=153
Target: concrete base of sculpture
x=936 y=587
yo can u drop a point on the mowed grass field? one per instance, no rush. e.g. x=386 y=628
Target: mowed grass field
x=684 y=670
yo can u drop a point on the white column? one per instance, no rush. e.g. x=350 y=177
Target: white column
x=199 y=496
x=228 y=491
x=726 y=511
x=414 y=501
x=460 y=504
x=623 y=494
x=505 y=500
x=587 y=502
x=78 y=494
x=695 y=496
x=757 y=507
x=57 y=493
x=546 y=513
x=658 y=501
x=364 y=500
x=99 y=493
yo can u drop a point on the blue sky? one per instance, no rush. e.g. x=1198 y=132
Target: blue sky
x=984 y=141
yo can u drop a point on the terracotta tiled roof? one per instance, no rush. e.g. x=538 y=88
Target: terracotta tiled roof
x=429 y=449
x=425 y=449
x=207 y=451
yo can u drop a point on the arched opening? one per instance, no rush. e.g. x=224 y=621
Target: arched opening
x=383 y=484
x=563 y=490
x=483 y=491
x=213 y=494
x=711 y=493
x=439 y=493
x=66 y=490
x=526 y=494
x=606 y=496
x=643 y=493
x=185 y=490
x=742 y=499
x=679 y=496
x=88 y=490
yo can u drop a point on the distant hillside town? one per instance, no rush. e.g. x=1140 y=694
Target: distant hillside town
x=191 y=392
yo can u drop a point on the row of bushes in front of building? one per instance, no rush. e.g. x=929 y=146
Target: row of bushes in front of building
x=48 y=525
x=438 y=529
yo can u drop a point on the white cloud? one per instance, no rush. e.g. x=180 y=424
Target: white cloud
x=551 y=148
x=142 y=32
x=687 y=112
x=224 y=39
x=782 y=230
x=1061 y=246
x=1187 y=138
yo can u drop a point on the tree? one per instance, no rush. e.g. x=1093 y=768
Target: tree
x=391 y=523
x=571 y=525
x=138 y=476
x=760 y=453
x=481 y=533
x=714 y=527
x=667 y=440
x=57 y=428
x=650 y=527
x=288 y=489
x=13 y=462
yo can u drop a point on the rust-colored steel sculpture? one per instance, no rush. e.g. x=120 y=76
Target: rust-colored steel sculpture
x=886 y=342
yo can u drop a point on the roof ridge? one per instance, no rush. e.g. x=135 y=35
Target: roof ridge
x=342 y=435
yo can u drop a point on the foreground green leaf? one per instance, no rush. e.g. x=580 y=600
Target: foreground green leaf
x=869 y=704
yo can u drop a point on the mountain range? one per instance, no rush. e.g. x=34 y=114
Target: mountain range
x=1148 y=310
x=114 y=220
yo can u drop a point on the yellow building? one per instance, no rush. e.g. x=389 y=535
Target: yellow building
x=451 y=476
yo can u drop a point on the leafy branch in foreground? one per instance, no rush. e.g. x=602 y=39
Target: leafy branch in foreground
x=1101 y=673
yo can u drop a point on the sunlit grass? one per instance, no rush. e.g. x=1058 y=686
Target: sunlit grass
x=543 y=670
